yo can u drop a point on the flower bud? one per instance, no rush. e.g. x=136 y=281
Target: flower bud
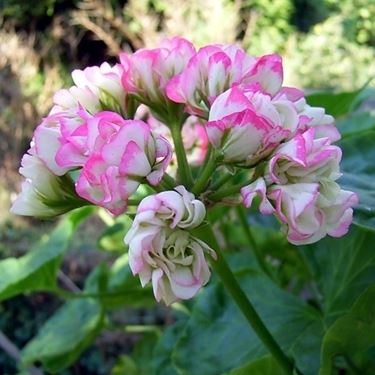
x=97 y=88
x=147 y=71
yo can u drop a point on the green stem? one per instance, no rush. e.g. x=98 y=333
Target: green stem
x=241 y=213
x=135 y=201
x=221 y=267
x=169 y=181
x=184 y=171
x=225 y=177
x=206 y=174
x=232 y=190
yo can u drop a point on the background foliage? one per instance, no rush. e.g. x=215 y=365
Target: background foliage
x=70 y=303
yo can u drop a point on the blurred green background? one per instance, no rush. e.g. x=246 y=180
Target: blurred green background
x=325 y=44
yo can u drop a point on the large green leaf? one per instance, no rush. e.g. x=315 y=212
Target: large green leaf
x=263 y=366
x=68 y=332
x=358 y=169
x=163 y=351
x=37 y=269
x=355 y=123
x=217 y=338
x=342 y=269
x=339 y=104
x=352 y=337
x=64 y=336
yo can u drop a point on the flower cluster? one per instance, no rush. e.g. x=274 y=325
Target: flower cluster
x=177 y=119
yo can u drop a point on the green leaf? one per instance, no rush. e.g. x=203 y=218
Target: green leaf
x=342 y=268
x=358 y=169
x=112 y=239
x=125 y=366
x=69 y=331
x=65 y=335
x=306 y=348
x=339 y=104
x=121 y=287
x=355 y=123
x=217 y=338
x=262 y=366
x=351 y=337
x=163 y=351
x=37 y=269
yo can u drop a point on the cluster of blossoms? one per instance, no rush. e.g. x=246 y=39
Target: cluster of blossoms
x=172 y=116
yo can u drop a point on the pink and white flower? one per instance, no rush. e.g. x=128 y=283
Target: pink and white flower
x=148 y=71
x=161 y=251
x=246 y=125
x=299 y=188
x=310 y=117
x=62 y=132
x=43 y=194
x=216 y=68
x=97 y=88
x=123 y=154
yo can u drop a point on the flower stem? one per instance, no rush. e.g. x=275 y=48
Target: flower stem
x=222 y=268
x=225 y=177
x=169 y=181
x=184 y=171
x=206 y=174
x=241 y=213
x=232 y=190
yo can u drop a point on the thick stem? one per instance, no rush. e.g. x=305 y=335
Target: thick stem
x=206 y=174
x=184 y=171
x=241 y=213
x=221 y=267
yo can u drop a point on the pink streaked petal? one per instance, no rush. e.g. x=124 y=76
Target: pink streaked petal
x=231 y=101
x=291 y=200
x=88 y=191
x=173 y=90
x=94 y=167
x=134 y=161
x=342 y=226
x=291 y=93
x=268 y=71
x=69 y=157
x=183 y=283
x=327 y=131
x=259 y=188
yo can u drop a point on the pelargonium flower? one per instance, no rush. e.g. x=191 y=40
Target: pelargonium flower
x=147 y=71
x=124 y=153
x=246 y=125
x=300 y=188
x=97 y=88
x=216 y=68
x=60 y=140
x=43 y=194
x=310 y=117
x=162 y=251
